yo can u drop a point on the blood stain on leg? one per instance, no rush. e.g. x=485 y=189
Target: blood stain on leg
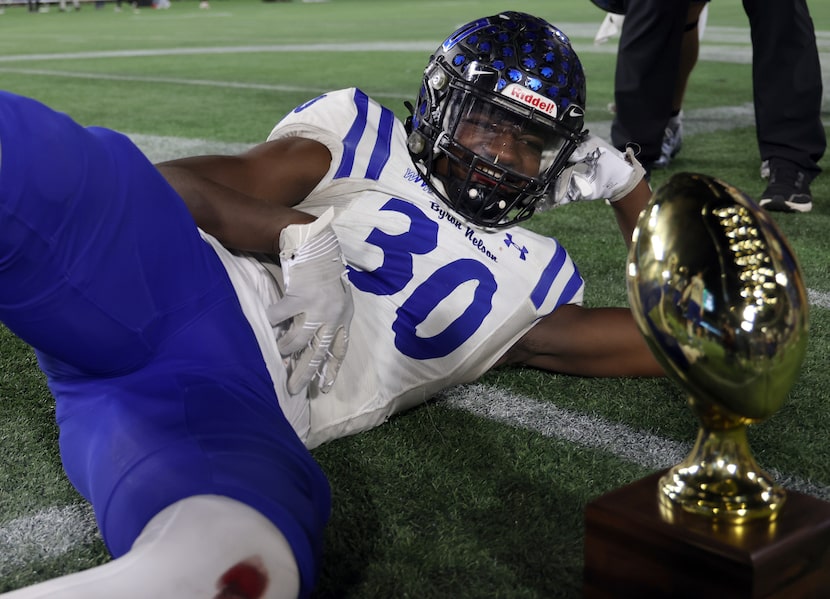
x=245 y=580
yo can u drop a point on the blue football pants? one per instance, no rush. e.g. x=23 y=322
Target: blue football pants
x=161 y=390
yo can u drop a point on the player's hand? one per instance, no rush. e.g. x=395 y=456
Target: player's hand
x=598 y=171
x=317 y=306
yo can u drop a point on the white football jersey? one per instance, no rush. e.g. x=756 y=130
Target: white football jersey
x=437 y=300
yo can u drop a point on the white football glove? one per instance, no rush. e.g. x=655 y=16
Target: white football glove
x=312 y=319
x=598 y=172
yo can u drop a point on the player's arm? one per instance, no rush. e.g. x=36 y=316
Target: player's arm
x=246 y=200
x=581 y=341
x=592 y=341
x=595 y=341
x=628 y=208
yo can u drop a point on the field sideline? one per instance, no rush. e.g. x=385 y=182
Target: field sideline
x=524 y=413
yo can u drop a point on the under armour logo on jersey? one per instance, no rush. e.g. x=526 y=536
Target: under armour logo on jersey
x=508 y=241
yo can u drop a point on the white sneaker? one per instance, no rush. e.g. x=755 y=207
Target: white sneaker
x=672 y=141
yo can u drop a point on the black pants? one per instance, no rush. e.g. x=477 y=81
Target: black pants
x=647 y=65
x=786 y=78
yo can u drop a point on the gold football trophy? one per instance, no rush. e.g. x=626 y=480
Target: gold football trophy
x=719 y=296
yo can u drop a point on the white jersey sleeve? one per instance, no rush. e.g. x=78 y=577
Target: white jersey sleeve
x=437 y=300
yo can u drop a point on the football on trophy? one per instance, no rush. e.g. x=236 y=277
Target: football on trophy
x=718 y=294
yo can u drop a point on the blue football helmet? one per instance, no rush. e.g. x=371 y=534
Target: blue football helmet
x=508 y=74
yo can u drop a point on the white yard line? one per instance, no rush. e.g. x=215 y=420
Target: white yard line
x=54 y=531
x=818 y=298
x=416 y=46
x=45 y=535
x=640 y=447
x=704 y=120
x=167 y=80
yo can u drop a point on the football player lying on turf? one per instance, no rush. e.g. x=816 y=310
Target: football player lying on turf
x=445 y=283
x=184 y=416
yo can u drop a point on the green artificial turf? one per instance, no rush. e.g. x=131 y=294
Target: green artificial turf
x=437 y=502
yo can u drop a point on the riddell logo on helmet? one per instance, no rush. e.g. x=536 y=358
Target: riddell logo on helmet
x=531 y=98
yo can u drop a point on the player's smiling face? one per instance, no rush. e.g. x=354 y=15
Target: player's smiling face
x=502 y=138
x=493 y=156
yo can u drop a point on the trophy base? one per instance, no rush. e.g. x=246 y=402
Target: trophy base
x=638 y=546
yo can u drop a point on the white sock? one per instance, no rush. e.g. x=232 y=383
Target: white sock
x=190 y=550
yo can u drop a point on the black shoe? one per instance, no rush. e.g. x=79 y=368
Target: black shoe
x=788 y=189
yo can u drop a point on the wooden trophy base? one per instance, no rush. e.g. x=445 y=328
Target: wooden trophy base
x=635 y=546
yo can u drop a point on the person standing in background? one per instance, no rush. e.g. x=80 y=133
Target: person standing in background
x=787 y=89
